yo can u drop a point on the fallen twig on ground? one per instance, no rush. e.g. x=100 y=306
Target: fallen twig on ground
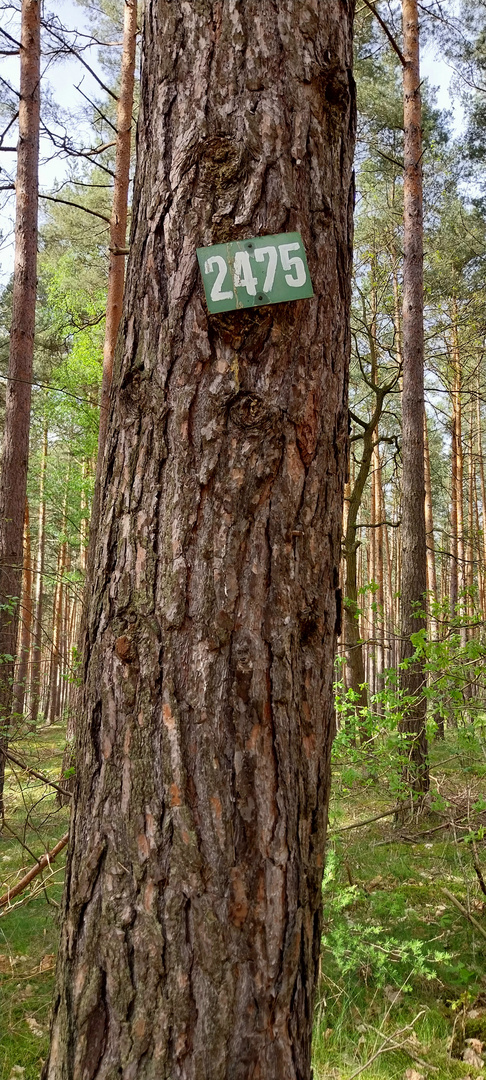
x=368 y=821
x=389 y=1044
x=41 y=865
x=464 y=911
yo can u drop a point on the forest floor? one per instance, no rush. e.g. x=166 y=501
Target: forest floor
x=402 y=991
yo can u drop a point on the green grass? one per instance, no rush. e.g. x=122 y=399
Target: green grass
x=391 y=889
x=383 y=892
x=29 y=928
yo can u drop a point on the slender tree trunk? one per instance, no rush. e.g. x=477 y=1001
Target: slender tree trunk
x=414 y=557
x=114 y=302
x=379 y=573
x=471 y=538
x=54 y=699
x=15 y=451
x=118 y=227
x=25 y=635
x=36 y=673
x=372 y=582
x=65 y=645
x=458 y=476
x=192 y=918
x=390 y=625
x=482 y=486
x=355 y=660
x=429 y=528
x=432 y=597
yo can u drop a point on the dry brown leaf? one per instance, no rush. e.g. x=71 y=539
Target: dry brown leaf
x=5 y=965
x=472 y=1058
x=476 y=1045
x=412 y=1074
x=47 y=962
x=34 y=1026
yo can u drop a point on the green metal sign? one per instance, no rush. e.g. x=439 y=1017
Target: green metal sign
x=249 y=273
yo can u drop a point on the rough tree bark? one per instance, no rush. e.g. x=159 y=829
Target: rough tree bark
x=192 y=918
x=414 y=554
x=15 y=451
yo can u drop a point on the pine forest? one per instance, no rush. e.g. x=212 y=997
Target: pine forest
x=242 y=548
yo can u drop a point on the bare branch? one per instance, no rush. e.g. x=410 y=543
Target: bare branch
x=75 y=52
x=33 y=772
x=396 y=48
x=10 y=38
x=78 y=206
x=33 y=873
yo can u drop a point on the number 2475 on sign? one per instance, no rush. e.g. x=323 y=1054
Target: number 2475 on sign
x=249 y=273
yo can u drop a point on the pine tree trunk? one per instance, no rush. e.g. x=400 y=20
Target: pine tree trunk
x=429 y=527
x=54 y=695
x=355 y=661
x=379 y=574
x=414 y=557
x=15 y=451
x=432 y=597
x=25 y=635
x=193 y=901
x=482 y=482
x=458 y=474
x=118 y=230
x=36 y=673
x=471 y=539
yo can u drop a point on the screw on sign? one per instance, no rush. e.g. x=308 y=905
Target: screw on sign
x=249 y=273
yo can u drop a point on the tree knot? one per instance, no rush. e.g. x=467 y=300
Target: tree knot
x=125 y=649
x=250 y=412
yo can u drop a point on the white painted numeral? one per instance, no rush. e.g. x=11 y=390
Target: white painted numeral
x=293 y=262
x=243 y=276
x=271 y=268
x=220 y=263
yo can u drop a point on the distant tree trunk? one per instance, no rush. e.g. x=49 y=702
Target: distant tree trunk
x=54 y=695
x=471 y=537
x=25 y=635
x=414 y=554
x=429 y=532
x=379 y=572
x=114 y=301
x=192 y=918
x=15 y=452
x=355 y=661
x=432 y=597
x=36 y=671
x=118 y=225
x=84 y=524
x=457 y=528
x=482 y=483
x=454 y=559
